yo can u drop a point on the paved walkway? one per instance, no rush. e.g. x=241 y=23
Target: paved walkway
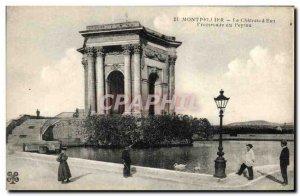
x=39 y=172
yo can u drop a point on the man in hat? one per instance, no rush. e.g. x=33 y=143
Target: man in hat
x=284 y=161
x=248 y=162
x=126 y=161
x=63 y=169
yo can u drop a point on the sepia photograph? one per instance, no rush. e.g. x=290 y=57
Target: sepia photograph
x=150 y=98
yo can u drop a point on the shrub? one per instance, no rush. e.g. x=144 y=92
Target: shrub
x=119 y=130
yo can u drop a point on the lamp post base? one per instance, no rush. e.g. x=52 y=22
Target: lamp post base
x=220 y=165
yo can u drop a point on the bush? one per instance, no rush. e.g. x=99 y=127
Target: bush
x=144 y=131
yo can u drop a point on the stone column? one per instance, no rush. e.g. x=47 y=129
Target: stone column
x=127 y=78
x=172 y=60
x=91 y=81
x=137 y=74
x=100 y=79
x=107 y=102
x=158 y=92
x=165 y=85
x=85 y=64
x=145 y=93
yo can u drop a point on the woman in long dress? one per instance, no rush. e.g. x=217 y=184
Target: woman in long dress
x=63 y=168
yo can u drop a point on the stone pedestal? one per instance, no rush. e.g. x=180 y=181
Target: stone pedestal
x=220 y=166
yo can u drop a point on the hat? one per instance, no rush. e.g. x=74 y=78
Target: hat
x=250 y=145
x=284 y=142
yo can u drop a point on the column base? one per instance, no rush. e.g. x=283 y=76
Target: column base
x=220 y=166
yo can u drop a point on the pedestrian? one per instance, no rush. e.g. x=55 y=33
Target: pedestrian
x=63 y=169
x=284 y=161
x=38 y=113
x=126 y=161
x=248 y=162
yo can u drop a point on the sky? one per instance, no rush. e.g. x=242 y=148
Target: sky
x=254 y=66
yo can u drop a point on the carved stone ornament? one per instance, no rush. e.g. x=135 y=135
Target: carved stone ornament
x=84 y=62
x=115 y=66
x=161 y=57
x=152 y=70
x=126 y=49
x=90 y=51
x=137 y=48
x=99 y=51
x=172 y=59
x=151 y=54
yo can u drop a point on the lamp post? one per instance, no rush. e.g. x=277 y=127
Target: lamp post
x=220 y=162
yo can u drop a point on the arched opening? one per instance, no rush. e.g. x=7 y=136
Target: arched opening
x=48 y=134
x=116 y=87
x=152 y=79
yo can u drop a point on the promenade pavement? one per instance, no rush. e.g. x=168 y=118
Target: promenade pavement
x=39 y=172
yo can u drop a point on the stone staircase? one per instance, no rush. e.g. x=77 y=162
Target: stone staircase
x=63 y=127
x=30 y=130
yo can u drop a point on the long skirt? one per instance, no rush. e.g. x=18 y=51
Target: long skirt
x=63 y=171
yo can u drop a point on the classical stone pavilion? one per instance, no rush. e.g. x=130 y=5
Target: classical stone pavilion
x=127 y=59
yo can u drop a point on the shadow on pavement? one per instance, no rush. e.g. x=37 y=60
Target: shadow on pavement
x=245 y=174
x=273 y=178
x=133 y=170
x=78 y=177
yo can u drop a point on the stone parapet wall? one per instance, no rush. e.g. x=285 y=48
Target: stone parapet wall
x=69 y=131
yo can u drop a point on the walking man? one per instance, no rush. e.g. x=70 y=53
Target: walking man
x=284 y=161
x=248 y=162
x=126 y=161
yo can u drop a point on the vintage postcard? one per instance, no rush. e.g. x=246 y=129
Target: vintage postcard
x=167 y=98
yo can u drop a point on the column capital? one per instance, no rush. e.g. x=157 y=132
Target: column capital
x=172 y=59
x=137 y=48
x=99 y=51
x=89 y=51
x=126 y=49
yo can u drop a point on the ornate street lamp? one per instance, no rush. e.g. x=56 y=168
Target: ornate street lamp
x=220 y=162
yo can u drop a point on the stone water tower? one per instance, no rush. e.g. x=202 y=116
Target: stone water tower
x=128 y=59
